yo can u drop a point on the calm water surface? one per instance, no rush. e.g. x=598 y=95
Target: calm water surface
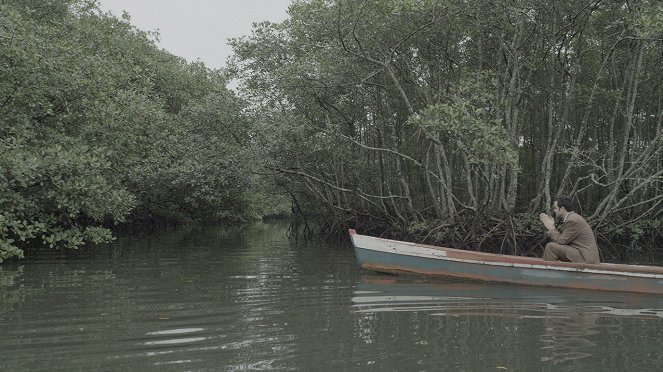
x=247 y=298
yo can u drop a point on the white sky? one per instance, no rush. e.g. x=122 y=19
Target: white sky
x=199 y=29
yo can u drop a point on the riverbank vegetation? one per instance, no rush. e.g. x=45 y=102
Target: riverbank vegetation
x=451 y=122
x=459 y=121
x=100 y=127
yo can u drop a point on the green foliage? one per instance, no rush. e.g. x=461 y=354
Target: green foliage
x=99 y=126
x=648 y=21
x=470 y=121
x=404 y=112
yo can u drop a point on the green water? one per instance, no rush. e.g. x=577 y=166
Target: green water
x=247 y=298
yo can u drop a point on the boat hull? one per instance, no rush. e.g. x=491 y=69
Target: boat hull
x=391 y=256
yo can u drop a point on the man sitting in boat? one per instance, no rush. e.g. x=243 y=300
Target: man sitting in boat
x=576 y=242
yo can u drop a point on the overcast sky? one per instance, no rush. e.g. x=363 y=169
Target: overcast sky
x=199 y=29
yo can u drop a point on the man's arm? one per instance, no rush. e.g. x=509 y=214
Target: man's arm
x=571 y=231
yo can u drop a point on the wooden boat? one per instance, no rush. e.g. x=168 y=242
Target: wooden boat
x=392 y=256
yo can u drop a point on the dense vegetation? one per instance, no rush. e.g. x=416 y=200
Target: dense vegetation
x=99 y=126
x=451 y=121
x=459 y=120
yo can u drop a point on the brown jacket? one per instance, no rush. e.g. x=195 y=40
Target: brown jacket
x=577 y=233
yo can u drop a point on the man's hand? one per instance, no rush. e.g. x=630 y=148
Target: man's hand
x=548 y=221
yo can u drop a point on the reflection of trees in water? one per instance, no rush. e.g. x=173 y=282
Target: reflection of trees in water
x=573 y=332
x=442 y=332
x=470 y=326
x=286 y=295
x=151 y=281
x=38 y=286
x=567 y=333
x=466 y=340
x=11 y=293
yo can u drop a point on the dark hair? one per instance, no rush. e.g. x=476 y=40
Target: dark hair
x=565 y=201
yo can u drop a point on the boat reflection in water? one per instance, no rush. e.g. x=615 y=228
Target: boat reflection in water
x=560 y=324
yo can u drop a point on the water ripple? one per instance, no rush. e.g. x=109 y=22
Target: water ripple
x=176 y=331
x=175 y=341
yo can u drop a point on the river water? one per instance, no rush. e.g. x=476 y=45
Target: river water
x=247 y=298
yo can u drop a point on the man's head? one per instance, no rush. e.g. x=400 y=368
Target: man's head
x=562 y=206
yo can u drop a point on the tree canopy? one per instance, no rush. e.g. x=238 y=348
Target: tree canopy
x=442 y=117
x=443 y=120
x=100 y=126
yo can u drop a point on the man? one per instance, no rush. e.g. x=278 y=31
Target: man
x=576 y=243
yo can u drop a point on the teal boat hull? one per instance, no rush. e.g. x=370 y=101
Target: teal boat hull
x=384 y=255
